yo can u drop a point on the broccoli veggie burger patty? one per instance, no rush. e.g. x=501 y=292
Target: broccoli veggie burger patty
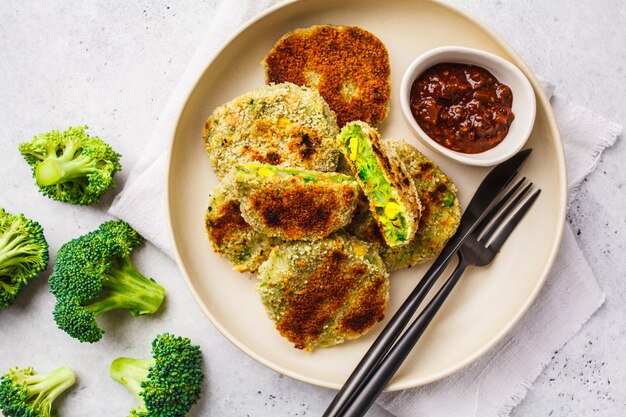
x=439 y=218
x=322 y=293
x=229 y=233
x=393 y=199
x=281 y=124
x=349 y=66
x=295 y=204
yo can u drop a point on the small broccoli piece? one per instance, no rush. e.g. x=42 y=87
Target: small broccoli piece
x=168 y=384
x=24 y=393
x=93 y=274
x=71 y=166
x=23 y=254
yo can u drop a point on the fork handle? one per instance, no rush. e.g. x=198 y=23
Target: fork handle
x=363 y=400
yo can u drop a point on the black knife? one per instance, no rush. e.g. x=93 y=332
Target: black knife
x=484 y=197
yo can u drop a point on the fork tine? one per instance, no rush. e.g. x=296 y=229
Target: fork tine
x=508 y=228
x=503 y=213
x=496 y=207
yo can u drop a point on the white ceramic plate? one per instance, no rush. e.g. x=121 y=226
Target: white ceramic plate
x=487 y=302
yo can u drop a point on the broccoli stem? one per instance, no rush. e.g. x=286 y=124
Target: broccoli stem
x=43 y=389
x=11 y=238
x=15 y=249
x=58 y=170
x=70 y=165
x=127 y=288
x=131 y=373
x=10 y=254
x=8 y=287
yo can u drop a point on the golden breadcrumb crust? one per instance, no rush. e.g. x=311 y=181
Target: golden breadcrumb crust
x=348 y=65
x=281 y=124
x=322 y=293
x=308 y=206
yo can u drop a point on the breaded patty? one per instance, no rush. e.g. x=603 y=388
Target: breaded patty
x=229 y=233
x=280 y=124
x=393 y=199
x=440 y=216
x=322 y=293
x=349 y=66
x=295 y=204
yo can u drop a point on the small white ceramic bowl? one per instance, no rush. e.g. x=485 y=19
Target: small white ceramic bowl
x=524 y=106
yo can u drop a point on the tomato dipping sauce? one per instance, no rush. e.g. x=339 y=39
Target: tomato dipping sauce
x=462 y=107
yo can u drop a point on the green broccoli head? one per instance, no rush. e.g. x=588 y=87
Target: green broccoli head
x=94 y=274
x=77 y=320
x=24 y=393
x=168 y=384
x=71 y=166
x=23 y=254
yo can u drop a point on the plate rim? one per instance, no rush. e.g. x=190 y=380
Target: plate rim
x=394 y=385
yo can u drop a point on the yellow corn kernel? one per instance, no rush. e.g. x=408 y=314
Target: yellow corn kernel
x=353 y=146
x=265 y=172
x=283 y=122
x=360 y=250
x=391 y=210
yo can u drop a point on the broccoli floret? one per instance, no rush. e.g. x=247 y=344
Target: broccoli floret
x=71 y=166
x=168 y=384
x=23 y=254
x=93 y=274
x=24 y=393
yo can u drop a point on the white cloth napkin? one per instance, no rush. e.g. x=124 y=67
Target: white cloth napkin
x=497 y=382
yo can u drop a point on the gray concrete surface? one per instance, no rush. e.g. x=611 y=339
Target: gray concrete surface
x=114 y=64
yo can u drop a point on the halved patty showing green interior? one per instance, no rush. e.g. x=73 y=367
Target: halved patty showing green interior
x=439 y=218
x=295 y=204
x=392 y=197
x=324 y=292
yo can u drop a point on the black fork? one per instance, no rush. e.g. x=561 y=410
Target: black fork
x=480 y=248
